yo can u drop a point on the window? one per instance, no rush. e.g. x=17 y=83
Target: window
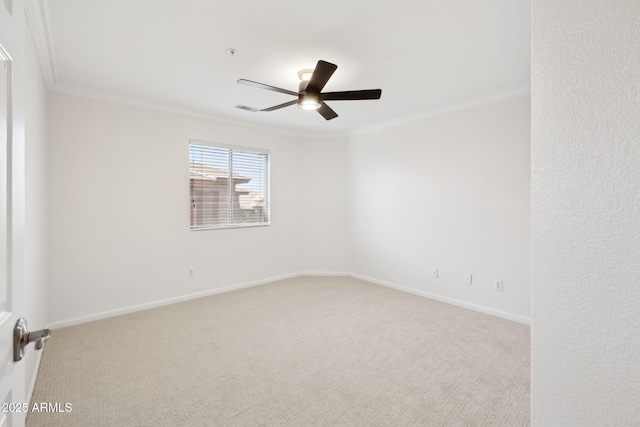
x=228 y=186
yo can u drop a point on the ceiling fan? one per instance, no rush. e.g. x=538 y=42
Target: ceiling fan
x=309 y=95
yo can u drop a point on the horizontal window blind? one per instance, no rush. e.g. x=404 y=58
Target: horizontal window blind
x=229 y=187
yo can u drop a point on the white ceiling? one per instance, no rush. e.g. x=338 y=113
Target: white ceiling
x=422 y=54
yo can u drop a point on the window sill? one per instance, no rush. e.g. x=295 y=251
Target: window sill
x=226 y=227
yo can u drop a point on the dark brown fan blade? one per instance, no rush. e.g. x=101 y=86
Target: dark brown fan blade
x=277 y=107
x=244 y=107
x=327 y=112
x=351 y=95
x=321 y=75
x=264 y=86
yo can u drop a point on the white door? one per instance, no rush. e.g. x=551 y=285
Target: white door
x=12 y=379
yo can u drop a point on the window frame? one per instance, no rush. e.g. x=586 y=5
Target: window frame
x=267 y=186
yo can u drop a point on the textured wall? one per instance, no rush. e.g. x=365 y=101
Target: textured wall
x=586 y=213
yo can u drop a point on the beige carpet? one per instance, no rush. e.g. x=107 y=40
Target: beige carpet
x=309 y=351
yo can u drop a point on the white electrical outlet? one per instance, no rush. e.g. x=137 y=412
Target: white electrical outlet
x=191 y=273
x=498 y=285
x=468 y=279
x=434 y=273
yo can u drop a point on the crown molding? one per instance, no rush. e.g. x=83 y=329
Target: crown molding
x=37 y=16
x=446 y=109
x=205 y=115
x=179 y=110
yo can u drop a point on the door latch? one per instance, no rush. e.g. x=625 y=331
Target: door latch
x=22 y=337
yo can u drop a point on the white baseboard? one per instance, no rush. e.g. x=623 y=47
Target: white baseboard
x=475 y=307
x=159 y=303
x=167 y=301
x=32 y=385
x=324 y=273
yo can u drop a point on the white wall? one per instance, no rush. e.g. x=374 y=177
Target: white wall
x=448 y=192
x=586 y=213
x=36 y=220
x=326 y=242
x=119 y=210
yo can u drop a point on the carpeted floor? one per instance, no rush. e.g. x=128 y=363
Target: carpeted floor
x=308 y=351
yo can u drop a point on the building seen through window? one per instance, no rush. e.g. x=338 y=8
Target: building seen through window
x=229 y=187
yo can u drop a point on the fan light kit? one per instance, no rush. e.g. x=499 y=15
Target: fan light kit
x=309 y=95
x=309 y=101
x=305 y=74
